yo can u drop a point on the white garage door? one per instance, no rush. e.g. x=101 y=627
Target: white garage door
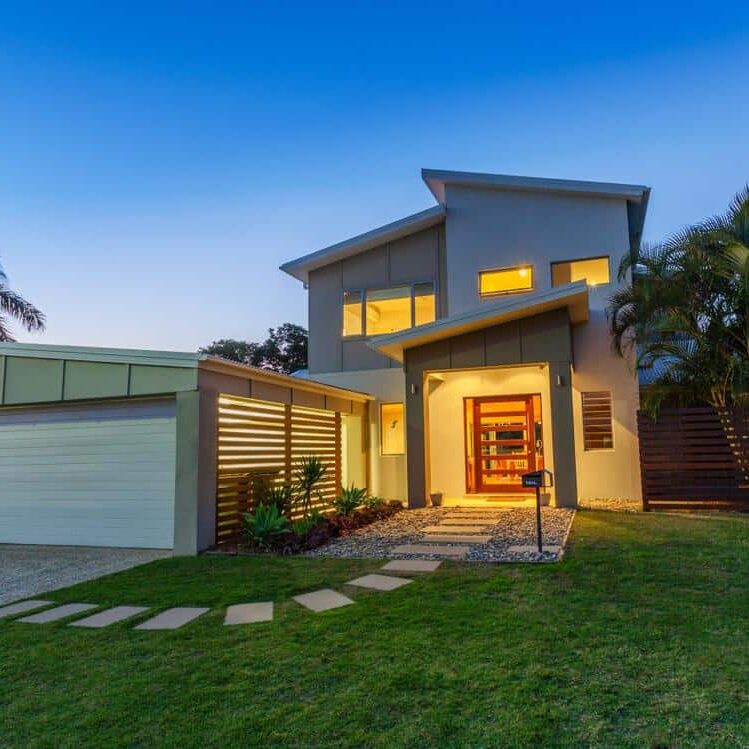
x=99 y=475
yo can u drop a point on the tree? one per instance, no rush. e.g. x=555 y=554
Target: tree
x=685 y=313
x=13 y=305
x=284 y=350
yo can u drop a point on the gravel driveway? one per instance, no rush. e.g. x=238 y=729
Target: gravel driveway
x=30 y=570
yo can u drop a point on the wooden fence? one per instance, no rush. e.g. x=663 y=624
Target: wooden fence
x=695 y=459
x=260 y=444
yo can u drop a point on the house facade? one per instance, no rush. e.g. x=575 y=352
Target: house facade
x=478 y=326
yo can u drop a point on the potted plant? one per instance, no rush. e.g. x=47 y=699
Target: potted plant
x=436 y=499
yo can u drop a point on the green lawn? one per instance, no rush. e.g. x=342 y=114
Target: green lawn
x=638 y=638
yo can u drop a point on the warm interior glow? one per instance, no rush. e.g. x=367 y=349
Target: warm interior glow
x=593 y=270
x=424 y=304
x=506 y=280
x=392 y=435
x=388 y=310
x=352 y=313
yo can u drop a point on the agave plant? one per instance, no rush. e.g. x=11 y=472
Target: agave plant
x=348 y=499
x=310 y=470
x=264 y=526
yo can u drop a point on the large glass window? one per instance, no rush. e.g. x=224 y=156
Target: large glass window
x=352 y=313
x=506 y=280
x=392 y=434
x=594 y=270
x=382 y=311
x=388 y=310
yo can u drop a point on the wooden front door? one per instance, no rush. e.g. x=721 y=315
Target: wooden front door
x=506 y=432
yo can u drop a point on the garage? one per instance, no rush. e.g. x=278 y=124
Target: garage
x=89 y=475
x=138 y=449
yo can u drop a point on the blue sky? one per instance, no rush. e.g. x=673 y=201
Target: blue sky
x=159 y=161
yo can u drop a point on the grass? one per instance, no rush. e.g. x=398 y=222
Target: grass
x=637 y=639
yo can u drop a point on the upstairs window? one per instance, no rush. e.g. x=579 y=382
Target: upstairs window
x=594 y=270
x=506 y=280
x=374 y=312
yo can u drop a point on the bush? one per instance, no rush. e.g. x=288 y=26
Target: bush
x=264 y=526
x=348 y=499
x=280 y=495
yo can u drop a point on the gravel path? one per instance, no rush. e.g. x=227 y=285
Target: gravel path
x=512 y=527
x=612 y=505
x=30 y=570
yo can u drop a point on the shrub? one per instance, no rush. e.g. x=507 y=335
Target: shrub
x=280 y=495
x=373 y=502
x=348 y=499
x=309 y=472
x=264 y=526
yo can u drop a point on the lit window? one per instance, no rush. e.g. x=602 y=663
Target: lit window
x=594 y=270
x=424 y=302
x=382 y=311
x=506 y=280
x=388 y=310
x=352 y=313
x=392 y=435
x=598 y=433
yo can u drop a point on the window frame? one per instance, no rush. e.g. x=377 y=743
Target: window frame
x=580 y=260
x=530 y=266
x=383 y=454
x=364 y=289
x=611 y=420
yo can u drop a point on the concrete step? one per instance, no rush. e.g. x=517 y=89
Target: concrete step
x=463 y=529
x=458 y=539
x=433 y=550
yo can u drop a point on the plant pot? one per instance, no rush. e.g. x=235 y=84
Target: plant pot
x=436 y=499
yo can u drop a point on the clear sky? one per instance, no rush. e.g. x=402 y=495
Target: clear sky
x=159 y=160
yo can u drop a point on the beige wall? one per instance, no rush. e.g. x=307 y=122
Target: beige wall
x=446 y=432
x=387 y=473
x=611 y=473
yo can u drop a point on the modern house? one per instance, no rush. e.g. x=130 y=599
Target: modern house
x=478 y=326
x=450 y=352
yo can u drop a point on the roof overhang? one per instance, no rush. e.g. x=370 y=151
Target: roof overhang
x=573 y=297
x=301 y=267
x=636 y=195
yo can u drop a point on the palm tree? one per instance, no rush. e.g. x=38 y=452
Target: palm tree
x=685 y=313
x=13 y=305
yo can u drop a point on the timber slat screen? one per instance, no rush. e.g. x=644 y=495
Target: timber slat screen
x=259 y=444
x=694 y=458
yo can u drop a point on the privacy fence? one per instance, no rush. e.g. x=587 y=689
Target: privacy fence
x=260 y=444
x=695 y=459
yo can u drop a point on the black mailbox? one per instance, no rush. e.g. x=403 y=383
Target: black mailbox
x=537 y=479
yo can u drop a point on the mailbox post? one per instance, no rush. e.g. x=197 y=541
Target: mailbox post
x=538 y=480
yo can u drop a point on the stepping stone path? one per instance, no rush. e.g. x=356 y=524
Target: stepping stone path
x=411 y=565
x=380 y=582
x=110 y=616
x=173 y=618
x=249 y=613
x=323 y=600
x=22 y=607
x=446 y=528
x=59 y=612
x=431 y=550
x=459 y=539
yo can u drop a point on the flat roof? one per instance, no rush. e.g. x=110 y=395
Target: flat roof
x=573 y=296
x=178 y=359
x=301 y=267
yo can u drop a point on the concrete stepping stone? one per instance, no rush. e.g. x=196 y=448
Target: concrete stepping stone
x=468 y=523
x=22 y=607
x=457 y=539
x=323 y=600
x=411 y=565
x=455 y=528
x=173 y=618
x=380 y=582
x=431 y=550
x=59 y=612
x=533 y=548
x=249 y=613
x=110 y=616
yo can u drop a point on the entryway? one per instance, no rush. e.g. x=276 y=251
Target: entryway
x=503 y=440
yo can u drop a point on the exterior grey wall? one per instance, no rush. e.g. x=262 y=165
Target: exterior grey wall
x=418 y=257
x=497 y=228
x=539 y=339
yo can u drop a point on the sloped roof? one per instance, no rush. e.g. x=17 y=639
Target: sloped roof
x=573 y=296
